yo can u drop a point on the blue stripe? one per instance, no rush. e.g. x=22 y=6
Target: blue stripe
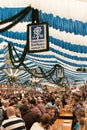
x=62 y=60
x=15 y=35
x=6 y=13
x=74 y=78
x=61 y=53
x=2 y=59
x=14 y=44
x=68 y=46
x=2 y=67
x=64 y=24
x=57 y=42
x=68 y=56
x=71 y=63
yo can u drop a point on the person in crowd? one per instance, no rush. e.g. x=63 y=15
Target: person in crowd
x=24 y=101
x=80 y=113
x=1 y=110
x=58 y=105
x=13 y=122
x=83 y=124
x=51 y=110
x=64 y=97
x=5 y=105
x=28 y=116
x=43 y=124
x=41 y=105
x=34 y=108
x=75 y=106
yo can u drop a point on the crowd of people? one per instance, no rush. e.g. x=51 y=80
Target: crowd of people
x=31 y=110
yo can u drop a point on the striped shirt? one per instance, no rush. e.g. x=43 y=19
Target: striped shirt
x=13 y=123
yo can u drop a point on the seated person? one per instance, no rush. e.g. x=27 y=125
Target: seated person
x=80 y=113
x=53 y=114
x=75 y=107
x=34 y=108
x=43 y=124
x=13 y=122
x=28 y=116
x=58 y=105
x=83 y=124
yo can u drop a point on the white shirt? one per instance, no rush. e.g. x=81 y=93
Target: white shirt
x=36 y=126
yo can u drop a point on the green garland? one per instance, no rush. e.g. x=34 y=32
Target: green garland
x=20 y=60
x=16 y=16
x=16 y=21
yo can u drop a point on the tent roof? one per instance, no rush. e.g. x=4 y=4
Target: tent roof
x=67 y=20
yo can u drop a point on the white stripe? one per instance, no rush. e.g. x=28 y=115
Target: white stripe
x=54 y=59
x=71 y=53
x=67 y=37
x=62 y=35
x=64 y=8
x=1 y=64
x=61 y=50
x=61 y=57
x=69 y=60
x=62 y=63
x=15 y=126
x=14 y=40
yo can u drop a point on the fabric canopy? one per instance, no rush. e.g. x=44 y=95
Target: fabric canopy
x=67 y=20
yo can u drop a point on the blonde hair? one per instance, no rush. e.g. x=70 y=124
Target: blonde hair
x=83 y=124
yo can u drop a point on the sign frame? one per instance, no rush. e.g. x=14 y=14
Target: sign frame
x=37 y=36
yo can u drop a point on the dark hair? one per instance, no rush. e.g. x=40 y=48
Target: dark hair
x=23 y=109
x=32 y=101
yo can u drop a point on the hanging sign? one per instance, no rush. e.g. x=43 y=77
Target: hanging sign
x=37 y=37
x=59 y=71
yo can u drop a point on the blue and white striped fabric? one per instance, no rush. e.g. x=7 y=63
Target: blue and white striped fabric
x=67 y=21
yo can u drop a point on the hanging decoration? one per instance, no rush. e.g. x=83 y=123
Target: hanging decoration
x=17 y=19
x=37 y=37
x=84 y=70
x=37 y=34
x=17 y=61
x=51 y=75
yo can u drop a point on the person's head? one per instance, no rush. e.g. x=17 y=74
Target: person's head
x=24 y=101
x=39 y=100
x=51 y=111
x=58 y=102
x=80 y=113
x=11 y=111
x=6 y=103
x=75 y=100
x=83 y=124
x=32 y=103
x=45 y=119
x=23 y=109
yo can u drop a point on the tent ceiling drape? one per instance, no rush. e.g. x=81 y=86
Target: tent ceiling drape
x=67 y=21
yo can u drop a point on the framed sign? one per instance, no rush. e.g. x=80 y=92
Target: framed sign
x=59 y=71
x=37 y=37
